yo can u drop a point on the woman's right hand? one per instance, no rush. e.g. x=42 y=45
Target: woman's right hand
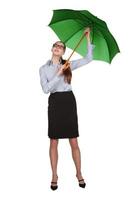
x=60 y=72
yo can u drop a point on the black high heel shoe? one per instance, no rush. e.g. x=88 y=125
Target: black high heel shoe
x=54 y=187
x=82 y=184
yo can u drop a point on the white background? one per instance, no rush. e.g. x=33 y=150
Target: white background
x=105 y=108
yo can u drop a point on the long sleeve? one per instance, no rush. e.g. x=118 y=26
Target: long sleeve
x=47 y=86
x=74 y=64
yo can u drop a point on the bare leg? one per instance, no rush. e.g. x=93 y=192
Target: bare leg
x=76 y=157
x=53 y=153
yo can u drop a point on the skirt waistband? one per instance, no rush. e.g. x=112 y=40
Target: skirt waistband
x=61 y=92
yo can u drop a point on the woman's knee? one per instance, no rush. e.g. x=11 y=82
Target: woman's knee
x=74 y=143
x=53 y=143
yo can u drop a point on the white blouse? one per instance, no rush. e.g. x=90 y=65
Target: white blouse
x=52 y=82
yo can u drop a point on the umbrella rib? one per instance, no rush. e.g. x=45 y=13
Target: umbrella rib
x=107 y=44
x=95 y=21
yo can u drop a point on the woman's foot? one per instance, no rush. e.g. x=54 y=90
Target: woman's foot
x=54 y=185
x=81 y=180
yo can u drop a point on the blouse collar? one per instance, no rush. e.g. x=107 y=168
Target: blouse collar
x=50 y=62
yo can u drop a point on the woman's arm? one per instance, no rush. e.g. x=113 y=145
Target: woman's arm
x=47 y=86
x=74 y=64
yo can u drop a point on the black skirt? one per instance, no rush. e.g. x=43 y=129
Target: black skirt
x=62 y=115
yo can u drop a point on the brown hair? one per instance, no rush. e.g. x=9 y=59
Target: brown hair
x=67 y=73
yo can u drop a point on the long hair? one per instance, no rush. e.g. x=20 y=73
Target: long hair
x=67 y=73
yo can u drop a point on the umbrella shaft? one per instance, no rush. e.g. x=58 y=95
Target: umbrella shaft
x=75 y=48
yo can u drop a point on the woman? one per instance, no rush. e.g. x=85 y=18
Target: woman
x=55 y=79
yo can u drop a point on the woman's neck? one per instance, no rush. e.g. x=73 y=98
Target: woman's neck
x=55 y=59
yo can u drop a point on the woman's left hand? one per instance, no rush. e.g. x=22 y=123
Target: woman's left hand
x=87 y=34
x=87 y=31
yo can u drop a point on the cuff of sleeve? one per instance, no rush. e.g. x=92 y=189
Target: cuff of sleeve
x=92 y=46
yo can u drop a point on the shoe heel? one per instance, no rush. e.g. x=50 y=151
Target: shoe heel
x=54 y=187
x=82 y=184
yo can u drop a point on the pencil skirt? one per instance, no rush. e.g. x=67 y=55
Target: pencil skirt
x=62 y=115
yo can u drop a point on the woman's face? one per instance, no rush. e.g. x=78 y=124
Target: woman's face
x=58 y=49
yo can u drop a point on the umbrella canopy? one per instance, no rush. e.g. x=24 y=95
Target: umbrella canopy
x=69 y=26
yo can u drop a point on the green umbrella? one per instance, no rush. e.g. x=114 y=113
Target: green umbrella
x=69 y=25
